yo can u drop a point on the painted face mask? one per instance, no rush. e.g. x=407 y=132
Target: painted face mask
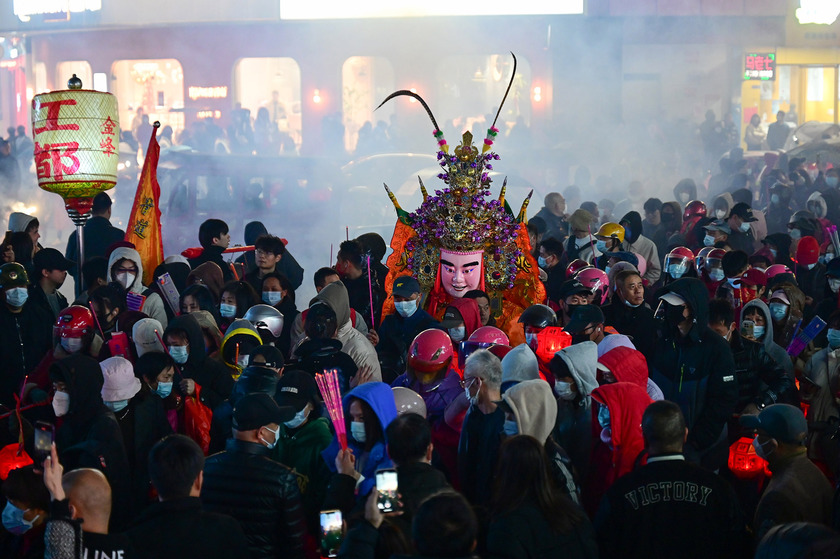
x=460 y=271
x=604 y=417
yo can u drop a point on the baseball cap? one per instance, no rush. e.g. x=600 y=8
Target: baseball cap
x=51 y=259
x=743 y=211
x=754 y=277
x=255 y=410
x=273 y=357
x=673 y=299
x=571 y=287
x=781 y=296
x=295 y=389
x=718 y=225
x=783 y=422
x=451 y=318
x=406 y=286
x=583 y=316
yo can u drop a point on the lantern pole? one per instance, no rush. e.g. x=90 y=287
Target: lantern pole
x=79 y=218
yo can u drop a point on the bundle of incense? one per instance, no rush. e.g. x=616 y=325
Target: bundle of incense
x=328 y=385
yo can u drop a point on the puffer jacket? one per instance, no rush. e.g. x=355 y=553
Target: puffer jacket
x=697 y=372
x=214 y=379
x=353 y=343
x=153 y=305
x=263 y=495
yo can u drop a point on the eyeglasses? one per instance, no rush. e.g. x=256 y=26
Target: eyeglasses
x=467 y=381
x=126 y=270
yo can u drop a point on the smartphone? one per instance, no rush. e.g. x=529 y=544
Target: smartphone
x=386 y=488
x=44 y=437
x=747 y=329
x=331 y=532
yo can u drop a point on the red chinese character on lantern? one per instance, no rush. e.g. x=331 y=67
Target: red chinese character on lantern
x=108 y=127
x=49 y=160
x=53 y=108
x=107 y=146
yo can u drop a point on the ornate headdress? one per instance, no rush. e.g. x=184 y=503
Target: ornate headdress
x=462 y=218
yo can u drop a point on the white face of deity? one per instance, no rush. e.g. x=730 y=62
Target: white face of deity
x=460 y=271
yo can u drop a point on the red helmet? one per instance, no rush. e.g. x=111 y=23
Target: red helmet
x=680 y=256
x=695 y=208
x=596 y=280
x=713 y=259
x=490 y=335
x=700 y=259
x=75 y=321
x=576 y=266
x=777 y=269
x=430 y=352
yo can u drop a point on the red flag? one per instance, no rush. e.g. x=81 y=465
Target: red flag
x=144 y=222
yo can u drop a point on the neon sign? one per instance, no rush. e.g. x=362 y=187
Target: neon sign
x=218 y=92
x=760 y=66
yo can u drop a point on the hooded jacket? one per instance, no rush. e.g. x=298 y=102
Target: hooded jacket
x=380 y=398
x=518 y=365
x=89 y=435
x=697 y=371
x=19 y=221
x=822 y=373
x=468 y=309
x=153 y=306
x=213 y=377
x=353 y=343
x=573 y=429
x=774 y=350
x=630 y=365
x=210 y=275
x=534 y=408
x=636 y=242
x=25 y=340
x=660 y=239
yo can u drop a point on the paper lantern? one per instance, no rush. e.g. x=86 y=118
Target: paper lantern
x=77 y=135
x=744 y=463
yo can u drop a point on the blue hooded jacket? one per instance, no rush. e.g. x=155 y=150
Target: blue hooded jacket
x=380 y=398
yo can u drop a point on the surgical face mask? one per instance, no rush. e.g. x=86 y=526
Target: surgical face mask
x=17 y=296
x=601 y=246
x=733 y=281
x=119 y=405
x=604 y=417
x=833 y=336
x=795 y=234
x=179 y=353
x=71 y=345
x=774 y=199
x=778 y=311
x=510 y=428
x=607 y=269
x=631 y=305
x=298 y=419
x=472 y=399
x=542 y=263
x=708 y=241
x=564 y=390
x=457 y=334
x=811 y=266
x=834 y=285
x=243 y=360
x=61 y=403
x=227 y=311
x=13 y=520
x=684 y=198
x=406 y=308
x=357 y=431
x=270 y=445
x=125 y=279
x=164 y=389
x=764 y=450
x=827 y=257
x=758 y=331
x=720 y=214
x=272 y=297
x=530 y=339
x=676 y=271
x=831 y=181
x=716 y=274
x=744 y=227
x=774 y=252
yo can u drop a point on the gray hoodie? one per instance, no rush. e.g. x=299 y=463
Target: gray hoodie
x=534 y=408
x=518 y=365
x=773 y=349
x=353 y=343
x=582 y=360
x=19 y=221
x=153 y=305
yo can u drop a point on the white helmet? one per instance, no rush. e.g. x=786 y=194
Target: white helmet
x=267 y=317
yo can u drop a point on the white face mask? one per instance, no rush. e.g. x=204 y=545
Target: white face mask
x=708 y=240
x=406 y=308
x=276 y=432
x=472 y=399
x=510 y=428
x=564 y=390
x=744 y=227
x=457 y=334
x=834 y=285
x=357 y=431
x=299 y=418
x=125 y=279
x=720 y=214
x=61 y=403
x=71 y=345
x=764 y=450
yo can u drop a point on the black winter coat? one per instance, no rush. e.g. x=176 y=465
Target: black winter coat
x=25 y=338
x=261 y=494
x=524 y=533
x=637 y=323
x=179 y=528
x=760 y=379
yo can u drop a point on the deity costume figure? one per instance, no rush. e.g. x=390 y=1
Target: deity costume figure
x=459 y=239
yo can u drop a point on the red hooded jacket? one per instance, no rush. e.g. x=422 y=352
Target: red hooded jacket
x=627 y=365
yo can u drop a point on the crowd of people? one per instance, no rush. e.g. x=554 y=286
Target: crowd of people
x=675 y=393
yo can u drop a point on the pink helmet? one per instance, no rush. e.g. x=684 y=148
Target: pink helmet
x=489 y=335
x=777 y=269
x=596 y=280
x=576 y=266
x=642 y=265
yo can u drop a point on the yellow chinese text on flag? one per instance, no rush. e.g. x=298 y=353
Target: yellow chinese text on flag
x=144 y=222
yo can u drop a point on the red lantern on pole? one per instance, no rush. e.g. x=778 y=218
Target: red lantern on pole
x=77 y=135
x=744 y=463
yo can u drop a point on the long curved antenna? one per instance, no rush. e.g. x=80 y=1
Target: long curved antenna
x=419 y=99
x=510 y=84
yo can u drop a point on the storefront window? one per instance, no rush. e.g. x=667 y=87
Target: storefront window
x=366 y=81
x=156 y=86
x=65 y=70
x=267 y=90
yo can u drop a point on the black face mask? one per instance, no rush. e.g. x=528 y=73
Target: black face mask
x=667 y=218
x=674 y=315
x=578 y=338
x=571 y=308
